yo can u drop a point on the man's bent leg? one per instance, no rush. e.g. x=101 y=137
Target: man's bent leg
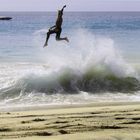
x=48 y=36
x=58 y=38
x=64 y=38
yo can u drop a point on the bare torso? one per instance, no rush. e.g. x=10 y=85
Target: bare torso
x=59 y=22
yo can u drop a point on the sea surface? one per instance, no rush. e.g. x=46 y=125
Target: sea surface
x=101 y=63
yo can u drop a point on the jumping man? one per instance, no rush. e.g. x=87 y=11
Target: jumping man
x=57 y=28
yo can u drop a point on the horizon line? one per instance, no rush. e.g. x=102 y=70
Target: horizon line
x=70 y=11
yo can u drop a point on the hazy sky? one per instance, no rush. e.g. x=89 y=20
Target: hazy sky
x=72 y=5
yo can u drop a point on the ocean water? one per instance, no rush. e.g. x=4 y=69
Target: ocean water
x=100 y=63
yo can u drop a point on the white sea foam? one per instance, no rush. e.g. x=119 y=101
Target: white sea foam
x=85 y=50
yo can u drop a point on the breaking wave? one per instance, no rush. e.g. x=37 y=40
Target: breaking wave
x=70 y=81
x=88 y=63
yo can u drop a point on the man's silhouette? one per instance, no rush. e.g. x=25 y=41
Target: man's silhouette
x=57 y=28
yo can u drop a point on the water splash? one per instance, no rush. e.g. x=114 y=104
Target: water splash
x=87 y=64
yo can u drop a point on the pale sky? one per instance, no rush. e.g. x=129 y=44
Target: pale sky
x=72 y=5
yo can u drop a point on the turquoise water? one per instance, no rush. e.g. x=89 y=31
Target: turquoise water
x=101 y=43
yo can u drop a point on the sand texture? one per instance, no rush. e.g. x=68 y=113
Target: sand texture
x=102 y=121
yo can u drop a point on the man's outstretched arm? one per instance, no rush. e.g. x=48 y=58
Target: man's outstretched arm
x=63 y=8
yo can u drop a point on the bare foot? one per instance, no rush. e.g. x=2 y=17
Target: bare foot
x=45 y=45
x=67 y=39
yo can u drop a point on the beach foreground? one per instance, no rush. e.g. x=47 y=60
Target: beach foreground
x=100 y=121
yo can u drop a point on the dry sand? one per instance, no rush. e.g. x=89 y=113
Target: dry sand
x=100 y=121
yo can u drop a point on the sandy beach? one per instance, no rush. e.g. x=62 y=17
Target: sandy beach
x=99 y=121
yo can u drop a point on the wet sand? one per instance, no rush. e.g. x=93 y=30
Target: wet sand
x=99 y=121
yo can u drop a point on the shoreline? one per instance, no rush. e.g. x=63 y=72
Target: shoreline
x=65 y=106
x=106 y=121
